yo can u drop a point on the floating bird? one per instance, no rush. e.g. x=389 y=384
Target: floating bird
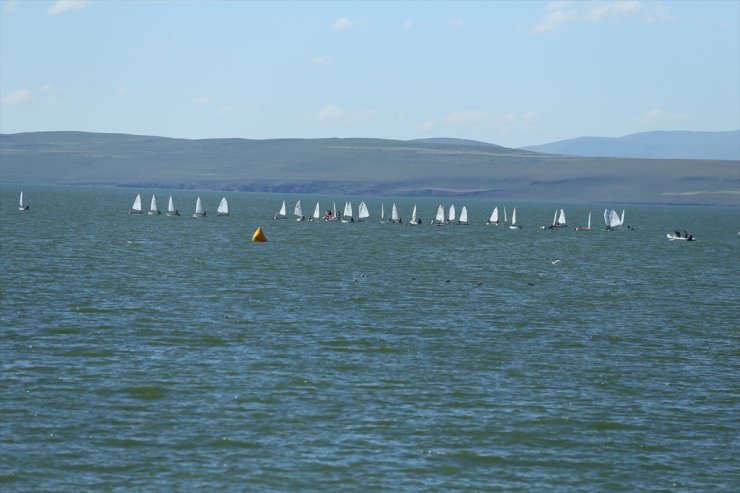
x=557 y=260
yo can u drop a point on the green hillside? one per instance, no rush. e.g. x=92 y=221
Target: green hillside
x=360 y=166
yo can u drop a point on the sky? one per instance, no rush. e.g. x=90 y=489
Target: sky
x=508 y=73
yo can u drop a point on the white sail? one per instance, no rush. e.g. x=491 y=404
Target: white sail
x=494 y=216
x=347 y=215
x=153 y=206
x=316 y=213
x=611 y=219
x=505 y=219
x=282 y=213
x=440 y=217
x=382 y=212
x=414 y=219
x=170 y=206
x=136 y=208
x=621 y=219
x=514 y=225
x=223 y=207
x=199 y=208
x=451 y=215
x=362 y=212
x=298 y=211
x=463 y=216
x=21 y=207
x=394 y=214
x=589 y=220
x=561 y=219
x=554 y=219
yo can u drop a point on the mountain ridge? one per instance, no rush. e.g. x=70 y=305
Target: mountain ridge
x=359 y=166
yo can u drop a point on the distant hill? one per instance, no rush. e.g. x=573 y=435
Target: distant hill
x=447 y=167
x=651 y=145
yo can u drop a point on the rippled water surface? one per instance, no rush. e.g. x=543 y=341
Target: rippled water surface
x=172 y=353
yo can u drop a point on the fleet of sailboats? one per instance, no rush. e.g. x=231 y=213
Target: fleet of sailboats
x=612 y=220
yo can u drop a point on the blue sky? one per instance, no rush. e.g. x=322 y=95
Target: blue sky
x=510 y=73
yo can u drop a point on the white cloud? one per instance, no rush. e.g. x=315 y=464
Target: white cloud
x=470 y=117
x=558 y=14
x=333 y=112
x=202 y=100
x=407 y=25
x=528 y=118
x=661 y=116
x=17 y=97
x=341 y=23
x=10 y=6
x=322 y=60
x=61 y=6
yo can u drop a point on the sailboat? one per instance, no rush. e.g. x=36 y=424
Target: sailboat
x=561 y=220
x=414 y=220
x=513 y=224
x=506 y=221
x=612 y=220
x=282 y=213
x=394 y=215
x=362 y=212
x=136 y=208
x=153 y=207
x=451 y=215
x=21 y=207
x=463 y=216
x=171 y=211
x=382 y=213
x=298 y=212
x=493 y=220
x=223 y=207
x=439 y=218
x=316 y=213
x=347 y=216
x=198 y=208
x=587 y=228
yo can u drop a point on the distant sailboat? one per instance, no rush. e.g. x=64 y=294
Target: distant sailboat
x=505 y=219
x=21 y=207
x=439 y=218
x=561 y=220
x=362 y=211
x=171 y=211
x=332 y=214
x=463 y=216
x=136 y=208
x=451 y=215
x=587 y=228
x=298 y=212
x=382 y=213
x=414 y=220
x=347 y=216
x=612 y=220
x=514 y=225
x=395 y=219
x=199 y=212
x=316 y=213
x=282 y=213
x=223 y=207
x=153 y=207
x=493 y=220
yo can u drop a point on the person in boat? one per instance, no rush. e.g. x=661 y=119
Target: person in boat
x=27 y=208
x=691 y=238
x=685 y=234
x=177 y=212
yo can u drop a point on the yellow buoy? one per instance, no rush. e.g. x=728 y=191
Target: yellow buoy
x=259 y=235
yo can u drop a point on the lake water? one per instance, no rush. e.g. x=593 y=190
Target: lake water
x=145 y=353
